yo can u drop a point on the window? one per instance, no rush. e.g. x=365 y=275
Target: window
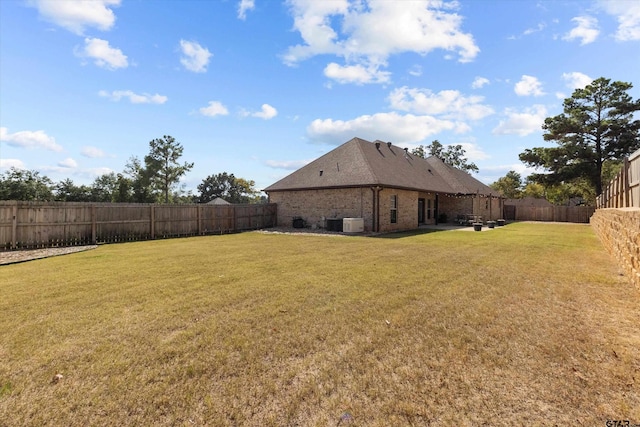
x=394 y=209
x=429 y=209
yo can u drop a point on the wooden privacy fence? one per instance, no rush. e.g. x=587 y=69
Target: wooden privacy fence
x=624 y=190
x=25 y=225
x=578 y=214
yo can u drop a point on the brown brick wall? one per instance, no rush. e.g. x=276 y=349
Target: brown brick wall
x=619 y=231
x=407 y=217
x=314 y=205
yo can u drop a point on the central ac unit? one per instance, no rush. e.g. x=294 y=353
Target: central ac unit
x=353 y=225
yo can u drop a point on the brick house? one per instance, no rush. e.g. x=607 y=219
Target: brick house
x=384 y=184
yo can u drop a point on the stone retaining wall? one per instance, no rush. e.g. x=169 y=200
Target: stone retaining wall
x=619 y=231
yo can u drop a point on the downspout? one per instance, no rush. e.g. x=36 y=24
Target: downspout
x=376 y=209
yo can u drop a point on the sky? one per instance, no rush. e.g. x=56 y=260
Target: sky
x=259 y=88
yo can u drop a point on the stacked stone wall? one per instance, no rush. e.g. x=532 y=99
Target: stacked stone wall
x=619 y=231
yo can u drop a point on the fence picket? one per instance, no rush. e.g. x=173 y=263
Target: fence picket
x=624 y=190
x=26 y=225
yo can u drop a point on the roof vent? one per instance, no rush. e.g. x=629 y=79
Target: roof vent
x=389 y=144
x=377 y=145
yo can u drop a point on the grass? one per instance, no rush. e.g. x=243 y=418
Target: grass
x=527 y=324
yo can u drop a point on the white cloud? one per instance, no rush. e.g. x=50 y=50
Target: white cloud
x=573 y=81
x=357 y=74
x=92 y=152
x=528 y=86
x=68 y=163
x=472 y=151
x=628 y=15
x=103 y=55
x=415 y=70
x=11 y=163
x=243 y=7
x=493 y=173
x=267 y=112
x=479 y=82
x=65 y=171
x=134 y=98
x=29 y=139
x=394 y=127
x=196 y=57
x=541 y=26
x=586 y=30
x=215 y=108
x=451 y=104
x=96 y=172
x=76 y=15
x=576 y=80
x=522 y=123
x=372 y=30
x=287 y=164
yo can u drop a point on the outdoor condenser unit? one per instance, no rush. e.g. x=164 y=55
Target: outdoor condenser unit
x=353 y=225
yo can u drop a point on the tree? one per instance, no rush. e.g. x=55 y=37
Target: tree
x=228 y=187
x=421 y=151
x=453 y=155
x=18 y=184
x=138 y=181
x=597 y=125
x=162 y=165
x=561 y=194
x=510 y=185
x=533 y=189
x=67 y=191
x=124 y=189
x=104 y=188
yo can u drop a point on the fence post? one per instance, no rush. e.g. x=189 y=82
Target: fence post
x=93 y=225
x=233 y=218
x=626 y=186
x=199 y=220
x=14 y=226
x=153 y=222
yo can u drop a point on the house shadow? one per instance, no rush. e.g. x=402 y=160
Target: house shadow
x=423 y=229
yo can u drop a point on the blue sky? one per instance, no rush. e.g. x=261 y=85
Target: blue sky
x=259 y=88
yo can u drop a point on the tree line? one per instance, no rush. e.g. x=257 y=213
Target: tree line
x=154 y=179
x=598 y=129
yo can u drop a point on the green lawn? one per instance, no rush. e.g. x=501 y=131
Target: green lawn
x=528 y=324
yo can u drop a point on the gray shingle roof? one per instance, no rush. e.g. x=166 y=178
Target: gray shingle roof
x=359 y=163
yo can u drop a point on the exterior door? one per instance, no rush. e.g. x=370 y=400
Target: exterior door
x=421 y=211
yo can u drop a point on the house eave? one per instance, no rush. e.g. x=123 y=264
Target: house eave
x=377 y=184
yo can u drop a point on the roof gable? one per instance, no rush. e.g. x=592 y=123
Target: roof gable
x=359 y=163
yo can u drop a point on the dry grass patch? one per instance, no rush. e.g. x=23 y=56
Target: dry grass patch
x=526 y=324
